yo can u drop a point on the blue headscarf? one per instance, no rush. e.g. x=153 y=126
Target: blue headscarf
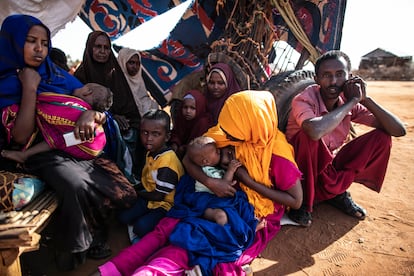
x=13 y=35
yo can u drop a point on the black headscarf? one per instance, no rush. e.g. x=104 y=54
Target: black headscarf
x=110 y=75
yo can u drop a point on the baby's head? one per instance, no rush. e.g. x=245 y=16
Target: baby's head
x=99 y=97
x=203 y=151
x=228 y=154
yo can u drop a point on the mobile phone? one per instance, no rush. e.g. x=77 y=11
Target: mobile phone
x=70 y=139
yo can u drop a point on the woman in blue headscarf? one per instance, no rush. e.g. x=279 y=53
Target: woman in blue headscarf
x=12 y=42
x=21 y=56
x=85 y=188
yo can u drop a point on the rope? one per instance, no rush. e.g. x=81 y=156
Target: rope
x=289 y=16
x=249 y=35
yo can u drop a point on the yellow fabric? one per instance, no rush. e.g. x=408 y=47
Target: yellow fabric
x=251 y=116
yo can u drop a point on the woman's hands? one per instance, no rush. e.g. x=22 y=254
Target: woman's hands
x=29 y=79
x=234 y=164
x=222 y=187
x=292 y=197
x=85 y=125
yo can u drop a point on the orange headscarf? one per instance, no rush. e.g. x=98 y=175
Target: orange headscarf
x=251 y=117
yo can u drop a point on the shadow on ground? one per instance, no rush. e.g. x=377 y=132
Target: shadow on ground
x=293 y=247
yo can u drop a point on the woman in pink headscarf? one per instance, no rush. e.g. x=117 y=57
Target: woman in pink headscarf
x=221 y=83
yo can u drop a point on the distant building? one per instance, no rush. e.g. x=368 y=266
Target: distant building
x=380 y=58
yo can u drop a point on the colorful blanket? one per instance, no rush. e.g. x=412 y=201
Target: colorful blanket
x=57 y=115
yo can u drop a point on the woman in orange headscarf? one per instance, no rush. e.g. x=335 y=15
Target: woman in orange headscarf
x=248 y=122
x=247 y=127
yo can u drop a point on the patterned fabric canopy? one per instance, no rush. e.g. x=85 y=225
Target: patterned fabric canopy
x=206 y=26
x=189 y=43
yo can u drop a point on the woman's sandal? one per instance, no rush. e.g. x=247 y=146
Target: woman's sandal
x=345 y=203
x=301 y=216
x=99 y=251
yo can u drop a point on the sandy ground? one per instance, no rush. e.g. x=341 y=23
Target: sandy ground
x=335 y=244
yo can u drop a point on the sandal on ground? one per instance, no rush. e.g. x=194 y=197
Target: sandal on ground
x=99 y=251
x=301 y=216
x=345 y=203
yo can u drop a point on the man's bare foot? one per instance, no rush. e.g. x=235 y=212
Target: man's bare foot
x=262 y=224
x=18 y=156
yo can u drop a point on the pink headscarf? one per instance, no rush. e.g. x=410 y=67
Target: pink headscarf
x=214 y=105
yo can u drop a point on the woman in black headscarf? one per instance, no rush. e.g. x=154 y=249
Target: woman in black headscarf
x=100 y=65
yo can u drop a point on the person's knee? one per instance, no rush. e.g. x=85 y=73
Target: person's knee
x=378 y=139
x=302 y=141
x=140 y=228
x=217 y=215
x=220 y=216
x=382 y=137
x=72 y=186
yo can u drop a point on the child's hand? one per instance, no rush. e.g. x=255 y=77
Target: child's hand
x=234 y=164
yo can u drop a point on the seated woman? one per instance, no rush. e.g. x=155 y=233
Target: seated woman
x=100 y=65
x=86 y=189
x=130 y=62
x=248 y=122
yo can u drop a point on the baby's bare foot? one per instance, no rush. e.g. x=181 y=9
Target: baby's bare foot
x=18 y=156
x=262 y=224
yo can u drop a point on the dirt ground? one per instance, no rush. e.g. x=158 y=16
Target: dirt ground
x=335 y=244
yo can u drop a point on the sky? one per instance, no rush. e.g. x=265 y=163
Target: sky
x=372 y=24
x=368 y=25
